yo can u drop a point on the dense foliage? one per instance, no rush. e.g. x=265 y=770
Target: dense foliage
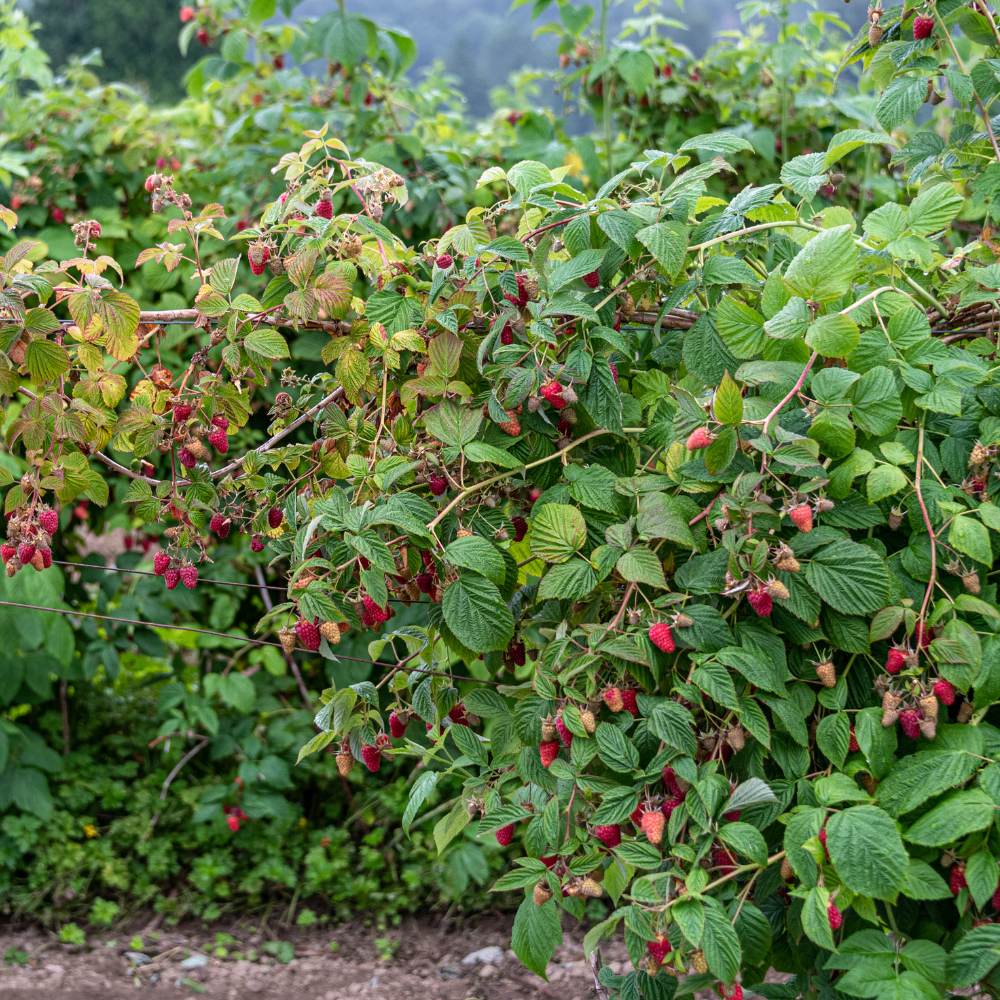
x=666 y=499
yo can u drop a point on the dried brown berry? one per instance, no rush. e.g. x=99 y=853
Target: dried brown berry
x=288 y=639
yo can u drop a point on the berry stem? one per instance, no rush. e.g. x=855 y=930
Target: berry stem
x=927 y=521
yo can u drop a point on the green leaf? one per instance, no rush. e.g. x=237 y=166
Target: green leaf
x=719 y=142
x=475 y=553
x=641 y=565
x=745 y=840
x=741 y=328
x=571 y=581
x=849 y=577
x=971 y=537
x=479 y=451
x=877 y=408
x=922 y=882
x=45 y=360
x=508 y=248
x=673 y=724
x=267 y=342
x=557 y=532
x=790 y=322
x=833 y=336
x=614 y=750
x=866 y=849
x=974 y=955
x=453 y=423
x=637 y=69
x=884 y=481
x=450 y=826
x=728 y=402
x=422 y=788
x=982 y=875
x=957 y=815
x=658 y=517
x=823 y=269
x=238 y=691
x=469 y=744
x=833 y=737
x=476 y=613
x=921 y=776
x=934 y=208
x=764 y=672
x=901 y=101
x=667 y=242
x=721 y=944
x=816 y=919
x=601 y=398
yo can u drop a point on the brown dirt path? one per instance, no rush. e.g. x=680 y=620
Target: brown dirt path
x=426 y=965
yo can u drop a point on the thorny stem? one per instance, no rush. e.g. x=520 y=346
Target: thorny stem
x=927 y=521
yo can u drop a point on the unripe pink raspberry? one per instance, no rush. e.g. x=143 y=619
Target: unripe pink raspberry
x=324 y=209
x=25 y=552
x=834 y=916
x=564 y=734
x=48 y=520
x=186 y=458
x=699 y=438
x=760 y=601
x=7 y=552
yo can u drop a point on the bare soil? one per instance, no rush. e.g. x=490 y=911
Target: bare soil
x=427 y=964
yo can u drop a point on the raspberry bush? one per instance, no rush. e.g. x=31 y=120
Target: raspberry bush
x=686 y=486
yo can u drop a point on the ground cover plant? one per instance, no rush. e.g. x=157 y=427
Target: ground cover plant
x=643 y=527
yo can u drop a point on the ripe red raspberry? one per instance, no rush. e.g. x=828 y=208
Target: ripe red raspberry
x=371 y=757
x=661 y=637
x=614 y=372
x=957 y=880
x=324 y=209
x=274 y=517
x=668 y=807
x=852 y=745
x=444 y=261
x=189 y=576
x=995 y=901
x=835 y=918
x=630 y=704
x=46 y=554
x=922 y=635
x=699 y=439
x=520 y=528
x=552 y=391
x=220 y=525
x=894 y=662
x=613 y=699
x=521 y=299
x=171 y=578
x=48 y=520
x=945 y=692
x=609 y=836
x=505 y=835
x=7 y=552
x=258 y=254
x=181 y=413
x=548 y=750
x=25 y=552
x=379 y=615
x=723 y=860
x=516 y=652
x=760 y=601
x=161 y=563
x=438 y=485
x=564 y=426
x=922 y=27
x=186 y=458
x=734 y=993
x=398 y=724
x=424 y=582
x=458 y=716
x=219 y=441
x=910 y=722
x=308 y=633
x=507 y=335
x=732 y=817
x=652 y=826
x=592 y=280
x=187 y=14
x=564 y=734
x=637 y=813
x=822 y=840
x=220 y=421
x=256 y=544
x=658 y=949
x=802 y=517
